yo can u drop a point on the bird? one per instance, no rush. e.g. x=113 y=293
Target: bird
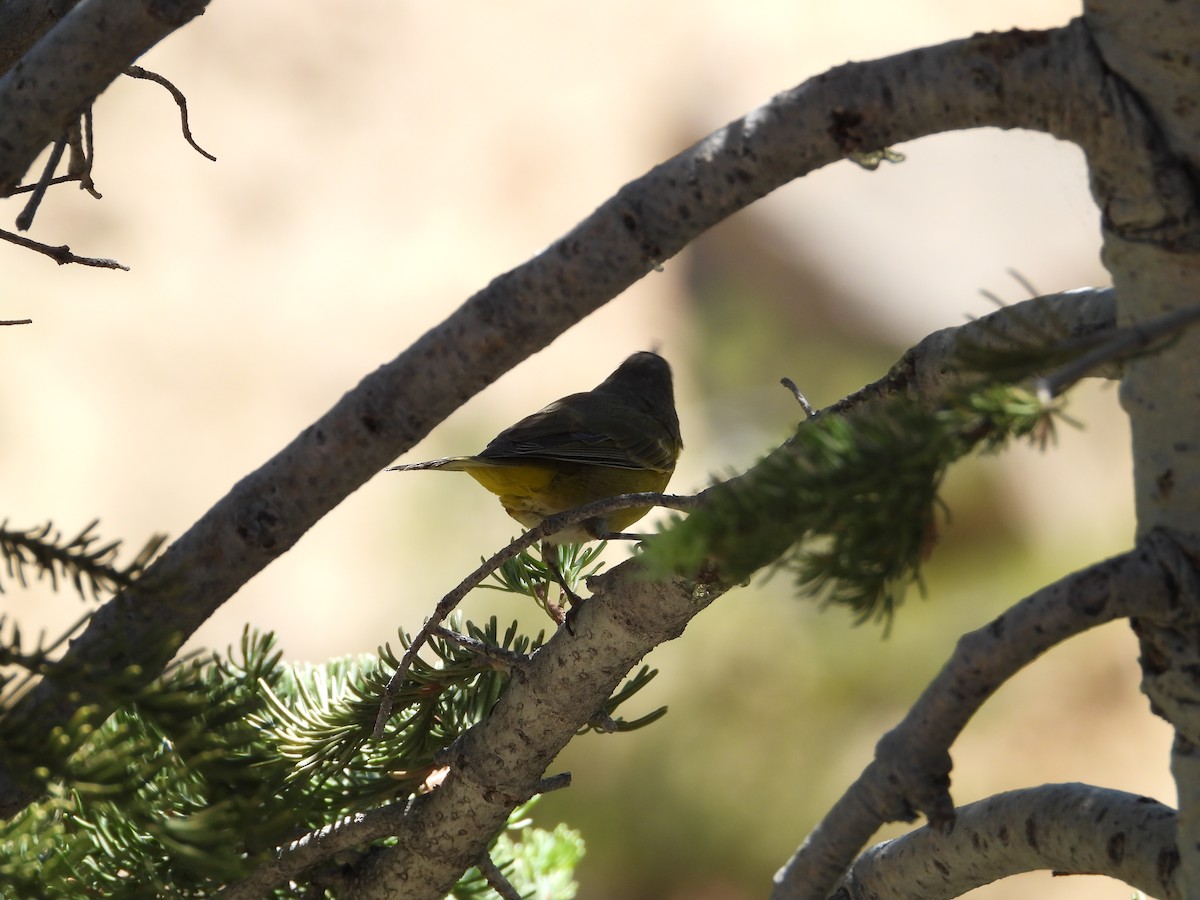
x=621 y=437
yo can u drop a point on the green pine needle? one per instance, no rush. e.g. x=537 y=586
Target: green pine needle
x=849 y=505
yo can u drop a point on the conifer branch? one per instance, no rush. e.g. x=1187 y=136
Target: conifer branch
x=90 y=569
x=548 y=526
x=199 y=776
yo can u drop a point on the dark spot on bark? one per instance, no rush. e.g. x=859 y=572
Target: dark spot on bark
x=1165 y=483
x=371 y=423
x=1167 y=863
x=257 y=527
x=1114 y=848
x=845 y=129
x=1031 y=836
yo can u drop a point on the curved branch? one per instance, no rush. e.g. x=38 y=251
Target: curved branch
x=911 y=769
x=1072 y=829
x=180 y=100
x=985 y=80
x=70 y=65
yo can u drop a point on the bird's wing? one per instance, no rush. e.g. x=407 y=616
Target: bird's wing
x=557 y=433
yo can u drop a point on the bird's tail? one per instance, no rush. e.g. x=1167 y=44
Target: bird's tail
x=448 y=464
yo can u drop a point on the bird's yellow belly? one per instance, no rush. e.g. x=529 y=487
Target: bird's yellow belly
x=530 y=493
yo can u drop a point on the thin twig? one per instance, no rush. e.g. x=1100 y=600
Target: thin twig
x=57 y=179
x=504 y=660
x=180 y=101
x=61 y=254
x=16 y=321
x=800 y=398
x=79 y=164
x=25 y=218
x=495 y=879
x=1024 y=282
x=553 y=783
x=548 y=526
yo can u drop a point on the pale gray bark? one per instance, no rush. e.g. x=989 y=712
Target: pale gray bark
x=1154 y=258
x=1068 y=828
x=911 y=769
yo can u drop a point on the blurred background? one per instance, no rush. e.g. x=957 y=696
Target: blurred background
x=378 y=162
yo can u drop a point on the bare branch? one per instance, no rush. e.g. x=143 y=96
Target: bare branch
x=1072 y=829
x=180 y=101
x=496 y=880
x=16 y=321
x=911 y=769
x=25 y=218
x=800 y=398
x=81 y=142
x=61 y=254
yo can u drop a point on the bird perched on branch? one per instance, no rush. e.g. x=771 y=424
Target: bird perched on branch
x=621 y=437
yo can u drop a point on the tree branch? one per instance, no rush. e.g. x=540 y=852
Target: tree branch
x=1072 y=829
x=911 y=769
x=70 y=65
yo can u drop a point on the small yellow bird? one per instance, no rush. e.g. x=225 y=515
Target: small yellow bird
x=621 y=437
